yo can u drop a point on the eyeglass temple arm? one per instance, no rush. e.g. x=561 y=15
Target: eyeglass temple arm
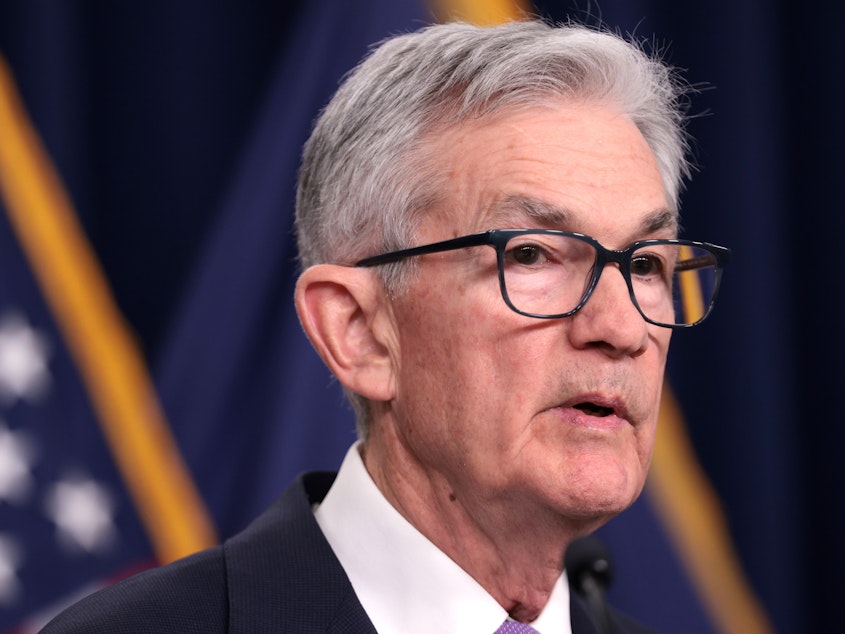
x=696 y=263
x=437 y=247
x=713 y=258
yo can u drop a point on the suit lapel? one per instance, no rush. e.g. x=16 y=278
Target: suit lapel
x=283 y=575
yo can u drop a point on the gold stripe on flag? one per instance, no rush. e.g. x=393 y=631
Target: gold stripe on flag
x=481 y=12
x=692 y=298
x=691 y=512
x=110 y=364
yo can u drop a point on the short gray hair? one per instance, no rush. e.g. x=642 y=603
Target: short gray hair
x=365 y=175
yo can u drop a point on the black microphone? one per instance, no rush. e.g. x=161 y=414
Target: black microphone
x=588 y=566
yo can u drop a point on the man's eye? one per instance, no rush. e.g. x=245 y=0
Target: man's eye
x=646 y=265
x=526 y=254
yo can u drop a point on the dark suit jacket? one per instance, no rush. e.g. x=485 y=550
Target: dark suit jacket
x=279 y=575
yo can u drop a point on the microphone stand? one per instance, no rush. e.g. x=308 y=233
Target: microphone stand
x=588 y=566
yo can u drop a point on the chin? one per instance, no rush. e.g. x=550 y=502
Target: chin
x=601 y=493
x=587 y=515
x=605 y=507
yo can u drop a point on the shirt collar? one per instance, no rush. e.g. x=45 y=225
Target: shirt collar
x=367 y=534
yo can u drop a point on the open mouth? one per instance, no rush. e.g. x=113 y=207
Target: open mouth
x=591 y=409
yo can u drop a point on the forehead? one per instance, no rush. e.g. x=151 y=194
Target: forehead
x=576 y=166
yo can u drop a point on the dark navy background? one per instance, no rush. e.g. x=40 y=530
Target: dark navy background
x=176 y=128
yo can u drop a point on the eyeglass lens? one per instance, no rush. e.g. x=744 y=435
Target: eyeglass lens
x=549 y=274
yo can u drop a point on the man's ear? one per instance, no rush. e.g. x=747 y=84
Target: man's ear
x=339 y=308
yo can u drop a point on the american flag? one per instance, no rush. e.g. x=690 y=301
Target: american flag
x=66 y=520
x=91 y=488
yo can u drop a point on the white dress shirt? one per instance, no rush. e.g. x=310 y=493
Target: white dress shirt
x=403 y=581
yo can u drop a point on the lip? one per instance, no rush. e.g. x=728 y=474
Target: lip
x=572 y=412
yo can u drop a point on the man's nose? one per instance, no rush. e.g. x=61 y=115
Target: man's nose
x=610 y=320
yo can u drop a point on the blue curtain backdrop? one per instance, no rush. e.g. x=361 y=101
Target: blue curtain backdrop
x=176 y=129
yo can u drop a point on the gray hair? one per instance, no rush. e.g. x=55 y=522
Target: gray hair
x=366 y=176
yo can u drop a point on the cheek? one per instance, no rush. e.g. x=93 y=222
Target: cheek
x=454 y=323
x=460 y=368
x=442 y=366
x=645 y=446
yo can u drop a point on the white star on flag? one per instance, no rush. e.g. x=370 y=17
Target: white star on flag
x=16 y=454
x=23 y=360
x=83 y=512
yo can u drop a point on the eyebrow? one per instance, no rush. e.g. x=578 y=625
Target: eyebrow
x=556 y=216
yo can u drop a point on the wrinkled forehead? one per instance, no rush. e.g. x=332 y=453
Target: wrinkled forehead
x=533 y=211
x=550 y=166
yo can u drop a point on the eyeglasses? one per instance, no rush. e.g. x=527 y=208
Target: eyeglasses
x=551 y=274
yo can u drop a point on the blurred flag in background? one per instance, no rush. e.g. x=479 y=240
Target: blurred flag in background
x=92 y=487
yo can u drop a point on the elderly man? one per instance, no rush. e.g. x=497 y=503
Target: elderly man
x=487 y=220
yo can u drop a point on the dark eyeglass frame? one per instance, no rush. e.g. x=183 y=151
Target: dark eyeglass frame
x=498 y=238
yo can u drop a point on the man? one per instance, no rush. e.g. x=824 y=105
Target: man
x=487 y=220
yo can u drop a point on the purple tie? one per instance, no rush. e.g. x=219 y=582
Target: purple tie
x=514 y=627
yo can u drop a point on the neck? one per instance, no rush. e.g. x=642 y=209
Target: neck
x=512 y=549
